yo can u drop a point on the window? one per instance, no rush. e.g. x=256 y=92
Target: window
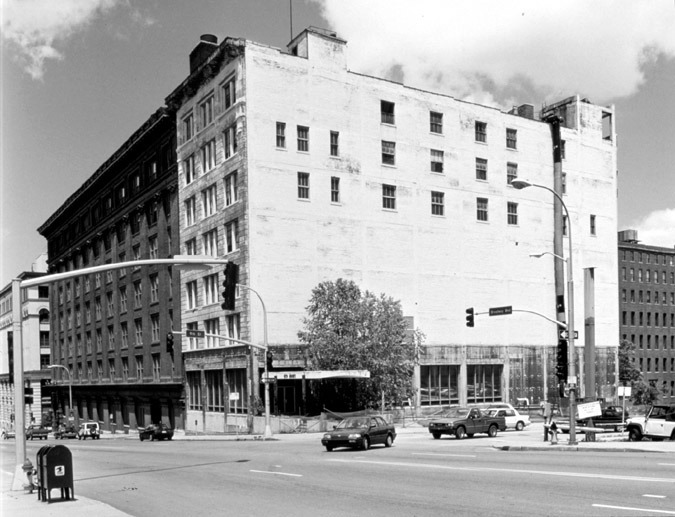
x=231 y=191
x=436 y=122
x=232 y=236
x=281 y=135
x=210 y=242
x=125 y=369
x=481 y=169
x=482 y=209
x=124 y=333
x=212 y=327
x=188 y=128
x=97 y=310
x=210 y=289
x=481 y=131
x=110 y=306
x=230 y=141
x=512 y=213
x=388 y=153
x=511 y=172
x=228 y=93
x=138 y=332
x=135 y=222
x=153 y=247
x=156 y=369
x=208 y=156
x=387 y=112
x=564 y=183
x=138 y=294
x=191 y=247
x=206 y=111
x=436 y=160
x=303 y=138
x=192 y=342
x=389 y=197
x=111 y=368
x=335 y=189
x=511 y=138
x=191 y=291
x=189 y=169
x=334 y=143
x=437 y=203
x=593 y=228
x=209 y=201
x=136 y=250
x=154 y=288
x=139 y=368
x=190 y=211
x=303 y=185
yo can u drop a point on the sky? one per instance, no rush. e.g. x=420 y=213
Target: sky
x=78 y=77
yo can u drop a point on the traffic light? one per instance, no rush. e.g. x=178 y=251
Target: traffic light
x=269 y=357
x=230 y=285
x=561 y=370
x=169 y=342
x=27 y=395
x=469 y=317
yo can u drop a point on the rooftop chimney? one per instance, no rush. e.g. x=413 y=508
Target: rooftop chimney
x=526 y=111
x=207 y=44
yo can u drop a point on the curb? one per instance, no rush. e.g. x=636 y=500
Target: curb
x=571 y=448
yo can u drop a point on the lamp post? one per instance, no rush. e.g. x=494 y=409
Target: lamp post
x=70 y=385
x=519 y=185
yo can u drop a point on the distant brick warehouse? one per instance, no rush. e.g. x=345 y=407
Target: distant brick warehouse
x=301 y=171
x=647 y=306
x=109 y=329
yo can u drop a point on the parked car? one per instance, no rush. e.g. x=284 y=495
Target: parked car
x=7 y=434
x=89 y=430
x=462 y=422
x=658 y=424
x=37 y=431
x=360 y=433
x=65 y=431
x=611 y=417
x=514 y=419
x=155 y=432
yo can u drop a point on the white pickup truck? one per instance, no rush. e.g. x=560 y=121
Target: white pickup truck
x=657 y=424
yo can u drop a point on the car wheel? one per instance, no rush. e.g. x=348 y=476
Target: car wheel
x=460 y=433
x=492 y=431
x=520 y=426
x=436 y=435
x=141 y=437
x=329 y=448
x=366 y=443
x=634 y=435
x=389 y=441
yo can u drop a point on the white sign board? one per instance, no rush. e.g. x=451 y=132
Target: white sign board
x=234 y=395
x=624 y=391
x=588 y=410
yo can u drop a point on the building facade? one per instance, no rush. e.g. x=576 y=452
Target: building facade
x=647 y=307
x=36 y=352
x=301 y=171
x=110 y=329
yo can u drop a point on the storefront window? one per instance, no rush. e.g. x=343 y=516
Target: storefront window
x=438 y=384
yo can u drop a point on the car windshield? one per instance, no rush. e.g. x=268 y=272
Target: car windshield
x=456 y=413
x=351 y=423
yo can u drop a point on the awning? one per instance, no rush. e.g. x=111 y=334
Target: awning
x=320 y=374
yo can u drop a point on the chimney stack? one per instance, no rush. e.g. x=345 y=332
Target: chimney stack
x=208 y=43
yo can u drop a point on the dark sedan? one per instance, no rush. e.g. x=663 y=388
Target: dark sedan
x=65 y=431
x=360 y=433
x=156 y=432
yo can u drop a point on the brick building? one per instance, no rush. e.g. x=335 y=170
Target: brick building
x=109 y=329
x=302 y=171
x=647 y=307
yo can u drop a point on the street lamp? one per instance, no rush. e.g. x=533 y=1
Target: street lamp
x=520 y=184
x=539 y=255
x=70 y=385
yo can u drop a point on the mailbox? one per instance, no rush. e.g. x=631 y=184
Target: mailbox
x=55 y=470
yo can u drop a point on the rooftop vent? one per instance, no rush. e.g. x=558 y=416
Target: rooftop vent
x=207 y=44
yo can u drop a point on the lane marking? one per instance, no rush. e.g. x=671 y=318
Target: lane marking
x=667 y=464
x=510 y=471
x=442 y=454
x=654 y=495
x=629 y=509
x=277 y=473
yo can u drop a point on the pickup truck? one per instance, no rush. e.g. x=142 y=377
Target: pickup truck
x=657 y=424
x=462 y=422
x=37 y=431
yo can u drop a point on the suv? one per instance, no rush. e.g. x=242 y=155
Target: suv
x=89 y=430
x=658 y=424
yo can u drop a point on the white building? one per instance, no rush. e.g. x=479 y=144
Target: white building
x=302 y=171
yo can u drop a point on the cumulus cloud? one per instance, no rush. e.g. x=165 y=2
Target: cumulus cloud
x=34 y=28
x=657 y=228
x=507 y=51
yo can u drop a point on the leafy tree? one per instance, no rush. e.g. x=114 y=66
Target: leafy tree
x=629 y=374
x=346 y=329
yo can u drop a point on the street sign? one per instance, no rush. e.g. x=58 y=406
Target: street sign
x=624 y=391
x=234 y=395
x=194 y=333
x=589 y=409
x=564 y=334
x=500 y=311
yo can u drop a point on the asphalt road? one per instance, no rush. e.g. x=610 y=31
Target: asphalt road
x=417 y=476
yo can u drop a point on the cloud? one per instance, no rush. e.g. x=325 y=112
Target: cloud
x=657 y=228
x=33 y=28
x=507 y=52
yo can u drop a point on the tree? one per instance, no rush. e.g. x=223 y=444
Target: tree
x=630 y=375
x=349 y=330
